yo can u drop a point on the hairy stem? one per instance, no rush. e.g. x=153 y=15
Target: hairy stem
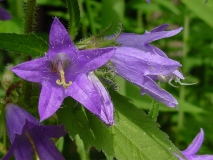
x=29 y=22
x=29 y=17
x=154 y=110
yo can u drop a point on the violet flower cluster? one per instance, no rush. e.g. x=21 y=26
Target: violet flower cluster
x=65 y=71
x=28 y=137
x=4 y=15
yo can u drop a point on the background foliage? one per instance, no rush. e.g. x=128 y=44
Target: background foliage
x=193 y=47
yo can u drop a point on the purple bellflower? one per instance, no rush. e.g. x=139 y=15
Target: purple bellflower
x=29 y=137
x=149 y=63
x=137 y=66
x=192 y=149
x=63 y=72
x=4 y=15
x=142 y=42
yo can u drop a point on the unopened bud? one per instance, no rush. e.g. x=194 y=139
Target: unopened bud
x=7 y=77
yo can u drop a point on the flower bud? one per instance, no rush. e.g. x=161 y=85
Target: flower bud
x=7 y=77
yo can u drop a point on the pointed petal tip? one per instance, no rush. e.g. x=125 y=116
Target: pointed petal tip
x=172 y=104
x=201 y=133
x=109 y=124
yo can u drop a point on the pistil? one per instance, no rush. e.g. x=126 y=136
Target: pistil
x=60 y=62
x=63 y=81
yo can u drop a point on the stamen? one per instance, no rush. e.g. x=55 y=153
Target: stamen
x=184 y=84
x=62 y=81
x=33 y=145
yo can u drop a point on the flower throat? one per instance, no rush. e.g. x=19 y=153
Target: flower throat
x=60 y=62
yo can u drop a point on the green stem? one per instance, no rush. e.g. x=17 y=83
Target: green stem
x=29 y=19
x=154 y=110
x=185 y=52
x=29 y=22
x=91 y=22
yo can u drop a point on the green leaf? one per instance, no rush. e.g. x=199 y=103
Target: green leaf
x=204 y=12
x=27 y=44
x=134 y=135
x=74 y=13
x=60 y=144
x=80 y=148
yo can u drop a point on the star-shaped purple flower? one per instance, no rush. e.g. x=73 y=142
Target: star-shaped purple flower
x=4 y=15
x=192 y=149
x=63 y=72
x=29 y=137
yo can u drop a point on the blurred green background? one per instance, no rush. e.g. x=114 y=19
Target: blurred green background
x=193 y=48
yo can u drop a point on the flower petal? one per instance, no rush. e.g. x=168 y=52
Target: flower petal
x=151 y=88
x=17 y=121
x=195 y=145
x=89 y=60
x=54 y=131
x=141 y=62
x=21 y=148
x=84 y=92
x=160 y=28
x=59 y=39
x=202 y=157
x=44 y=145
x=34 y=70
x=50 y=99
x=4 y=15
x=178 y=74
x=147 y=84
x=106 y=103
x=131 y=39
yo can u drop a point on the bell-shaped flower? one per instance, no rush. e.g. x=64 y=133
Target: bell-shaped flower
x=138 y=67
x=28 y=137
x=4 y=15
x=192 y=149
x=143 y=41
x=63 y=72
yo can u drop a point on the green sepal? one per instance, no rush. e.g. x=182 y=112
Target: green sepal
x=99 y=40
